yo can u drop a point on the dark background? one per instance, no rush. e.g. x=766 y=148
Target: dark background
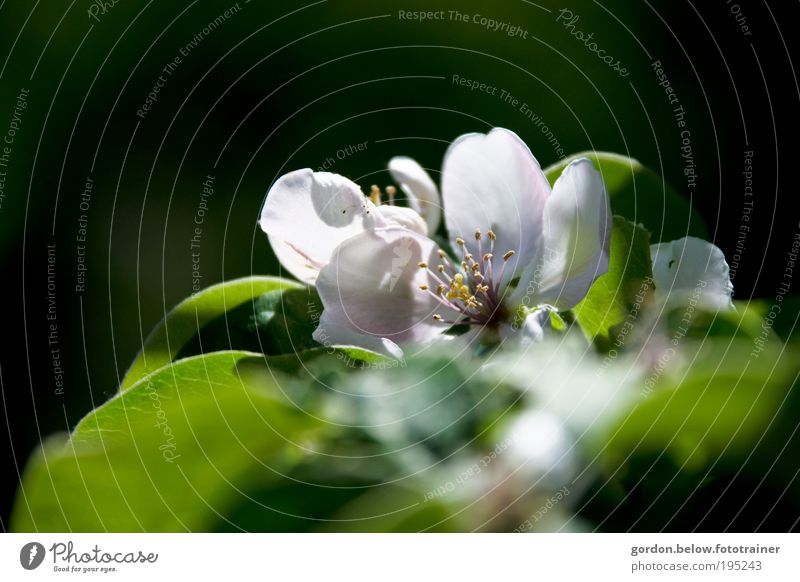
x=279 y=86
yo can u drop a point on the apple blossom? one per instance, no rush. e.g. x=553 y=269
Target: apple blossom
x=519 y=250
x=691 y=267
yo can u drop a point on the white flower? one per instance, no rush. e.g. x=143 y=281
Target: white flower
x=692 y=270
x=520 y=249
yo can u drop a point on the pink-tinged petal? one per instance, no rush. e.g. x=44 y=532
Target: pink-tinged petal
x=330 y=333
x=423 y=195
x=691 y=268
x=493 y=182
x=399 y=216
x=307 y=214
x=576 y=240
x=372 y=286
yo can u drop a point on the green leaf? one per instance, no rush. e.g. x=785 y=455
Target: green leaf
x=641 y=195
x=188 y=317
x=173 y=452
x=618 y=294
x=705 y=400
x=276 y=322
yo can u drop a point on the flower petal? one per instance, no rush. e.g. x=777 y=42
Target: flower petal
x=576 y=240
x=307 y=214
x=541 y=447
x=330 y=333
x=372 y=286
x=422 y=193
x=493 y=182
x=399 y=216
x=690 y=267
x=528 y=331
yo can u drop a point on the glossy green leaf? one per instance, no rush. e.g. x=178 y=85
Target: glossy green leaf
x=174 y=452
x=620 y=293
x=641 y=195
x=273 y=323
x=183 y=323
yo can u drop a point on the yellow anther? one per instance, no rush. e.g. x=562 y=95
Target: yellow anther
x=508 y=255
x=422 y=265
x=442 y=254
x=423 y=287
x=440 y=289
x=375 y=194
x=391 y=191
x=477 y=234
x=437 y=317
x=491 y=235
x=460 y=241
x=475 y=267
x=468 y=257
x=487 y=257
x=440 y=268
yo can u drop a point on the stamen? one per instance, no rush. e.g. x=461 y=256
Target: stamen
x=437 y=317
x=391 y=191
x=422 y=265
x=375 y=195
x=506 y=256
x=467 y=278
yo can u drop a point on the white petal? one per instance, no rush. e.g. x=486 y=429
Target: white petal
x=529 y=331
x=400 y=216
x=540 y=445
x=493 y=182
x=690 y=268
x=423 y=196
x=307 y=214
x=576 y=240
x=372 y=285
x=330 y=333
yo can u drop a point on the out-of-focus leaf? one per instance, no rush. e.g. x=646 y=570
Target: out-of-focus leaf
x=706 y=399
